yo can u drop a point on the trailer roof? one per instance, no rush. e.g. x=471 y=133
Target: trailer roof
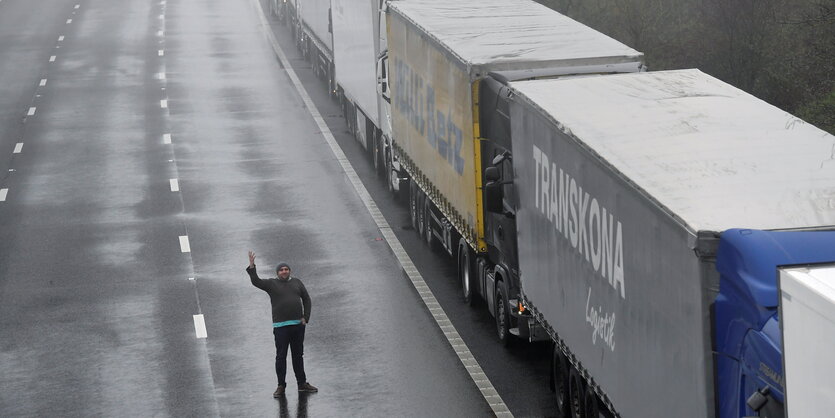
x=481 y=32
x=713 y=155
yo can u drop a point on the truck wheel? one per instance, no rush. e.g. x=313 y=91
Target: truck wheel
x=413 y=205
x=390 y=176
x=576 y=395
x=559 y=376
x=502 y=317
x=592 y=407
x=465 y=268
x=421 y=214
x=332 y=82
x=376 y=155
x=427 y=222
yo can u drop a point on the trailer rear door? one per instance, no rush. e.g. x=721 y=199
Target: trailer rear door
x=807 y=309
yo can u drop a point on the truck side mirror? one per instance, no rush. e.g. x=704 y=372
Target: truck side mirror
x=491 y=174
x=382 y=77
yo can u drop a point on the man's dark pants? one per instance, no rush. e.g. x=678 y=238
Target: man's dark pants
x=292 y=336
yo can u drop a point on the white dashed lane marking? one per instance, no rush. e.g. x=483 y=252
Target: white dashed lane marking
x=160 y=76
x=160 y=33
x=52 y=58
x=175 y=185
x=3 y=193
x=31 y=111
x=77 y=6
x=18 y=148
x=69 y=21
x=184 y=245
x=43 y=82
x=61 y=38
x=160 y=52
x=200 y=326
x=163 y=104
x=166 y=139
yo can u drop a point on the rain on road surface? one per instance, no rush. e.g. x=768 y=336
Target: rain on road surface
x=145 y=146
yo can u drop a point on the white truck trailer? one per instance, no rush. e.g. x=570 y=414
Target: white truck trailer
x=314 y=38
x=356 y=47
x=654 y=213
x=807 y=321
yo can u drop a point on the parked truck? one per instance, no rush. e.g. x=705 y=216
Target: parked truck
x=284 y=11
x=356 y=47
x=437 y=53
x=654 y=213
x=315 y=39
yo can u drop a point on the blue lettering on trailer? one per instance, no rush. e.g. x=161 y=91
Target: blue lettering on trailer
x=416 y=100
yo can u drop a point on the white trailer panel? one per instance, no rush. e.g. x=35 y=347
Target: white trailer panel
x=315 y=16
x=355 y=26
x=807 y=319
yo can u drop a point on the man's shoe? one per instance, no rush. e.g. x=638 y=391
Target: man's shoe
x=279 y=392
x=307 y=387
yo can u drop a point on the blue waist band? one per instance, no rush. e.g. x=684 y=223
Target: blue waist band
x=286 y=323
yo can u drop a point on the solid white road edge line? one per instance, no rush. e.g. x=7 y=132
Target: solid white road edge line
x=184 y=245
x=200 y=326
x=470 y=364
x=18 y=148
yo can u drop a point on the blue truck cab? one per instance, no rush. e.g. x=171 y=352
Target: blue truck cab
x=747 y=337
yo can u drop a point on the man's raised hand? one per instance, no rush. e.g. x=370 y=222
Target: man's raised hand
x=251 y=259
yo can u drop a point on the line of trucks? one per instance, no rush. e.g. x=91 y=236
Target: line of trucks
x=671 y=235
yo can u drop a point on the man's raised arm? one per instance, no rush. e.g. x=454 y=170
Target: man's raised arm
x=253 y=276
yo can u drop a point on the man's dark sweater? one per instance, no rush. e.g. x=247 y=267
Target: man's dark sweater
x=289 y=297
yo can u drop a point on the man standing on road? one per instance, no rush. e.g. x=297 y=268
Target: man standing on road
x=291 y=313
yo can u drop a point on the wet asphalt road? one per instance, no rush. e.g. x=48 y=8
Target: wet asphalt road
x=96 y=302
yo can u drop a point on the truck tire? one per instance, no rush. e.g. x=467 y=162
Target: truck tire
x=465 y=272
x=428 y=237
x=421 y=214
x=413 y=204
x=377 y=155
x=592 y=407
x=390 y=176
x=576 y=395
x=559 y=377
x=502 y=317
